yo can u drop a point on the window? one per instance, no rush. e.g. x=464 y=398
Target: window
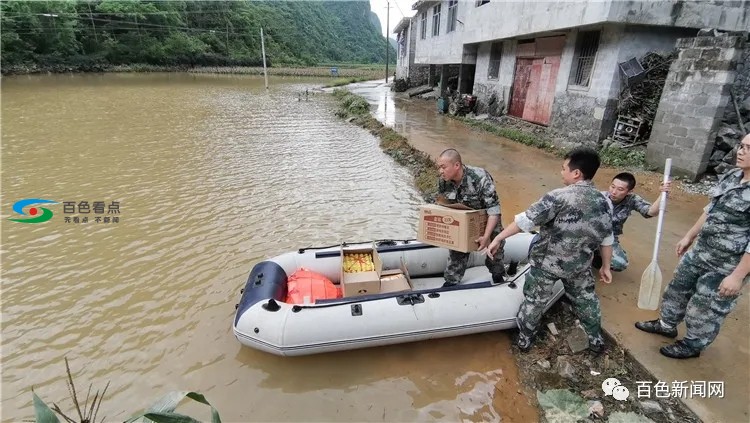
x=583 y=60
x=436 y=21
x=480 y=2
x=496 y=53
x=452 y=15
x=423 y=27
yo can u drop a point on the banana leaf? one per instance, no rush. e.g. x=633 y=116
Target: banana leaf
x=42 y=412
x=163 y=410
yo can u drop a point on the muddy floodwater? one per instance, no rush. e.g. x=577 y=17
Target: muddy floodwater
x=208 y=175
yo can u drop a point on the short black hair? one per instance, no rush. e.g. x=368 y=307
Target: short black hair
x=584 y=159
x=626 y=177
x=452 y=155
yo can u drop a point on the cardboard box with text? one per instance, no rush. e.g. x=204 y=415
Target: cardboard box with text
x=454 y=227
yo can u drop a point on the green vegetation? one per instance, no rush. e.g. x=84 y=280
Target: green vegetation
x=161 y=412
x=611 y=155
x=615 y=156
x=346 y=81
x=356 y=109
x=95 y=35
x=510 y=133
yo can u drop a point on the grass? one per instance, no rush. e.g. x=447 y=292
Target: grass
x=611 y=155
x=338 y=82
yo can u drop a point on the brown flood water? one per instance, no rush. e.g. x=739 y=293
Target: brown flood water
x=212 y=174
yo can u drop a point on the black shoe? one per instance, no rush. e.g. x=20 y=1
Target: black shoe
x=512 y=268
x=498 y=279
x=449 y=284
x=679 y=350
x=655 y=326
x=523 y=342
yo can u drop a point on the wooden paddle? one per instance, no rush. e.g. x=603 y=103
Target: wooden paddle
x=648 y=295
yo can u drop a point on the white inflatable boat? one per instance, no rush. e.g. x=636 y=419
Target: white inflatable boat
x=265 y=322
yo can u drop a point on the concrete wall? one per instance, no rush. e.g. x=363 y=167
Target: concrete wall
x=405 y=67
x=693 y=103
x=493 y=93
x=446 y=48
x=723 y=15
x=500 y=19
x=403 y=55
x=525 y=18
x=585 y=114
x=589 y=114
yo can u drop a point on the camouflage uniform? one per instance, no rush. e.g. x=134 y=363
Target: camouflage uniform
x=476 y=190
x=692 y=294
x=621 y=213
x=574 y=222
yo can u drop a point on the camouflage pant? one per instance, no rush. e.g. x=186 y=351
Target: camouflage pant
x=458 y=261
x=693 y=296
x=538 y=291
x=620 y=260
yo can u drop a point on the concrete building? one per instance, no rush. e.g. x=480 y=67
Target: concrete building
x=406 y=68
x=557 y=63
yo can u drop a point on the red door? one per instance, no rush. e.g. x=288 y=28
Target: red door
x=541 y=91
x=520 y=87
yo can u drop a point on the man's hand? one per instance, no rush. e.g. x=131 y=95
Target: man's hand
x=730 y=286
x=482 y=241
x=666 y=187
x=683 y=245
x=605 y=274
x=492 y=249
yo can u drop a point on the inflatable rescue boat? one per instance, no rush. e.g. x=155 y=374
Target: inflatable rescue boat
x=409 y=303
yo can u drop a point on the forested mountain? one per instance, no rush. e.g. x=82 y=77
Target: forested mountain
x=82 y=33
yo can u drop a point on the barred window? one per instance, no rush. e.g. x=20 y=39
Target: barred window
x=452 y=15
x=423 y=28
x=496 y=53
x=436 y=21
x=587 y=45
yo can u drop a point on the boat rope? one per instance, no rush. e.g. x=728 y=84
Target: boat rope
x=377 y=242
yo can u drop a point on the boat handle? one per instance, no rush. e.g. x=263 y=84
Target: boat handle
x=410 y=299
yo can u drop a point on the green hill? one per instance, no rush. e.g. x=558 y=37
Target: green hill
x=87 y=34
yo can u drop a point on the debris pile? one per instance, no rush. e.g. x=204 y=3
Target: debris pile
x=640 y=96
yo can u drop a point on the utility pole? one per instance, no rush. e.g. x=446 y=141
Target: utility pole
x=387 y=42
x=263 y=47
x=226 y=43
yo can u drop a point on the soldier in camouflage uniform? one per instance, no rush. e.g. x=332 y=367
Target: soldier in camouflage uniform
x=625 y=201
x=472 y=187
x=709 y=277
x=574 y=222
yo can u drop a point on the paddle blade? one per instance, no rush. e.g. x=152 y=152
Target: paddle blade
x=650 y=291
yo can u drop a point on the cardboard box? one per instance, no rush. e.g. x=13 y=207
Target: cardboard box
x=361 y=283
x=455 y=227
x=395 y=280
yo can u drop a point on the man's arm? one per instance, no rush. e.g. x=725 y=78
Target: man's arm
x=484 y=240
x=688 y=239
x=732 y=284
x=653 y=210
x=605 y=272
x=511 y=230
x=491 y=202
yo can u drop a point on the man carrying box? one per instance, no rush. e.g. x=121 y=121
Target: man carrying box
x=472 y=187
